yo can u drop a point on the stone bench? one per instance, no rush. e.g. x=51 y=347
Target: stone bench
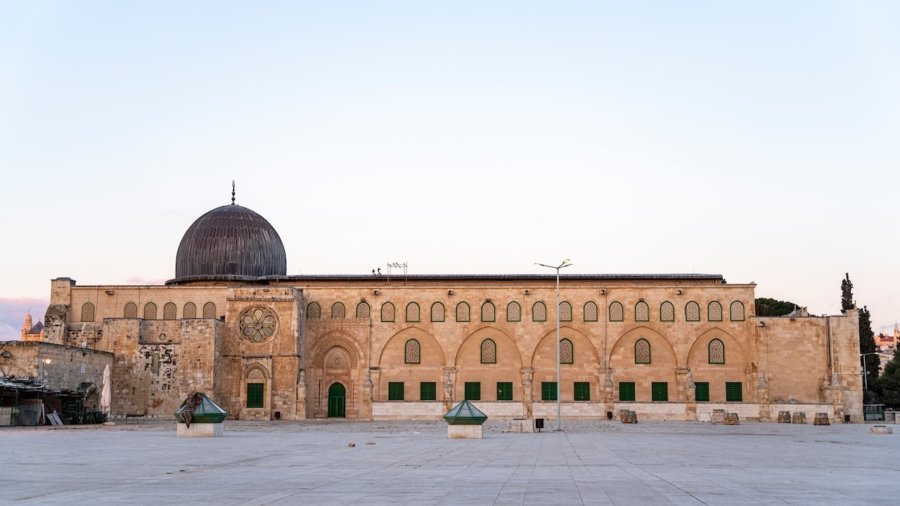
x=629 y=417
x=821 y=419
x=732 y=419
x=798 y=417
x=718 y=416
x=784 y=417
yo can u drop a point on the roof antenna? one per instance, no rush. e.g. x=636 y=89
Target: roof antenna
x=232 y=192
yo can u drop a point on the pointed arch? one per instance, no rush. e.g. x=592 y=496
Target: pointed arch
x=539 y=312
x=313 y=311
x=488 y=351
x=363 y=310
x=87 y=312
x=616 y=311
x=716 y=351
x=513 y=312
x=642 y=351
x=692 y=312
x=412 y=352
x=565 y=311
x=169 y=311
x=566 y=351
x=338 y=311
x=438 y=312
x=736 y=311
x=412 y=312
x=387 y=312
x=667 y=312
x=714 y=312
x=462 y=312
x=488 y=312
x=591 y=311
x=641 y=312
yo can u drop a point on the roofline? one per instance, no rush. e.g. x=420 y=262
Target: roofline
x=449 y=277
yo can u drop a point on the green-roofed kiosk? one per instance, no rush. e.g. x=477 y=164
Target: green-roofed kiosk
x=464 y=421
x=199 y=416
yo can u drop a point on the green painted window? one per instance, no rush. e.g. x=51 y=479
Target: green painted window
x=582 y=391
x=428 y=391
x=701 y=391
x=659 y=390
x=504 y=391
x=255 y=395
x=548 y=391
x=626 y=391
x=734 y=392
x=395 y=391
x=472 y=391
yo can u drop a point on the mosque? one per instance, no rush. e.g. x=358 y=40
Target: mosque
x=267 y=345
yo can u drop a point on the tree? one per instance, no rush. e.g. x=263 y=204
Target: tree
x=772 y=307
x=867 y=348
x=889 y=381
x=847 y=293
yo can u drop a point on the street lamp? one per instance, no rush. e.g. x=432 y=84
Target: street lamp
x=563 y=264
x=863 y=356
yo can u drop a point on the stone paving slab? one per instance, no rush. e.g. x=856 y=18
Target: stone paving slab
x=395 y=463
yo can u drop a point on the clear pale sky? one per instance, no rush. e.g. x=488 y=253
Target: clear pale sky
x=756 y=140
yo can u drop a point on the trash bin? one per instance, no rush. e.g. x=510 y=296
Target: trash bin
x=538 y=424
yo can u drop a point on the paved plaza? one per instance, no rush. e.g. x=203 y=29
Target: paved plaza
x=340 y=462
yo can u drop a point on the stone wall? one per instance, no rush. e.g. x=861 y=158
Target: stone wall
x=56 y=366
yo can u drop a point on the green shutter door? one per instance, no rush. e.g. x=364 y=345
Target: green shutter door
x=626 y=391
x=337 y=396
x=660 y=391
x=701 y=392
x=734 y=392
x=428 y=391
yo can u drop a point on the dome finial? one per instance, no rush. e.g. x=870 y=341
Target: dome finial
x=232 y=192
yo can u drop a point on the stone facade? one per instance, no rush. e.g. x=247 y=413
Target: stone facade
x=370 y=347
x=54 y=366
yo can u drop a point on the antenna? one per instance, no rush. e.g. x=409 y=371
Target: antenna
x=232 y=192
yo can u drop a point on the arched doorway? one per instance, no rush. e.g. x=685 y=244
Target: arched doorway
x=336 y=401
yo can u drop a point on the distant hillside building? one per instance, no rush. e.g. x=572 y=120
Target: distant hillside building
x=32 y=332
x=268 y=345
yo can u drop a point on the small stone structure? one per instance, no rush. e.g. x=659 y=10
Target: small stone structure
x=718 y=416
x=465 y=421
x=199 y=416
x=798 y=417
x=629 y=417
x=732 y=419
x=520 y=425
x=784 y=417
x=821 y=419
x=880 y=429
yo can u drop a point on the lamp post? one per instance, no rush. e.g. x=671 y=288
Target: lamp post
x=865 y=370
x=563 y=264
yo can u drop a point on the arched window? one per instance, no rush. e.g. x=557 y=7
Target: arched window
x=566 y=352
x=488 y=312
x=513 y=312
x=716 y=352
x=437 y=312
x=338 y=311
x=169 y=311
x=488 y=351
x=189 y=311
x=462 y=312
x=363 y=310
x=642 y=351
x=130 y=310
x=667 y=312
x=150 y=311
x=692 y=312
x=737 y=311
x=87 y=312
x=565 y=311
x=616 y=312
x=313 y=311
x=209 y=310
x=412 y=352
x=387 y=312
x=539 y=312
x=714 y=312
x=412 y=312
x=591 y=311
x=642 y=312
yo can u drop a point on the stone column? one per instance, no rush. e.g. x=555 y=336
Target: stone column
x=762 y=397
x=300 y=412
x=527 y=390
x=686 y=393
x=367 y=395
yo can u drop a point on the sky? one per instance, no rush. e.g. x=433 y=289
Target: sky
x=756 y=140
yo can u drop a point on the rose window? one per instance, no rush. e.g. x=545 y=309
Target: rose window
x=258 y=324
